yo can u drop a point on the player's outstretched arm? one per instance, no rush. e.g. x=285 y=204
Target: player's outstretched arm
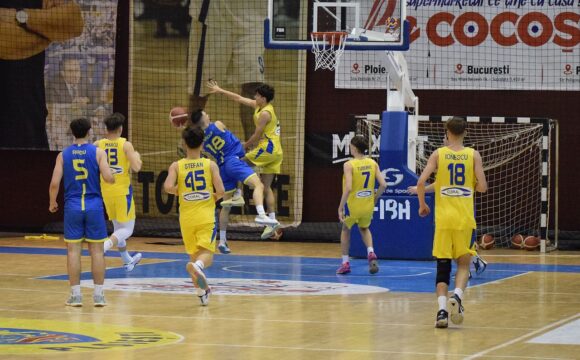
x=424 y=209
x=382 y=183
x=170 y=185
x=55 y=184
x=106 y=172
x=215 y=89
x=133 y=156
x=481 y=184
x=347 y=169
x=218 y=185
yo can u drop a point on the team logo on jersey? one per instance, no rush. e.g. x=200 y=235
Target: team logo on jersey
x=226 y=286
x=454 y=191
x=196 y=196
x=393 y=176
x=30 y=336
x=116 y=170
x=364 y=194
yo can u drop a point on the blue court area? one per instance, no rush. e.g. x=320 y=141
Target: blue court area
x=403 y=276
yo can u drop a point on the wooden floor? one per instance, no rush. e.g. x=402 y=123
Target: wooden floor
x=525 y=306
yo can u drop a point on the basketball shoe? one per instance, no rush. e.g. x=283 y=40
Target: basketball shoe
x=479 y=264
x=373 y=263
x=74 y=301
x=203 y=296
x=456 y=309
x=442 y=319
x=269 y=231
x=199 y=279
x=224 y=248
x=343 y=269
x=99 y=300
x=235 y=201
x=131 y=265
x=265 y=220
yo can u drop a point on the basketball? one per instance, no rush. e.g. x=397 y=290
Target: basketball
x=487 y=241
x=178 y=117
x=518 y=241
x=531 y=243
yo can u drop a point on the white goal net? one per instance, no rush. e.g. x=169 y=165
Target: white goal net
x=516 y=160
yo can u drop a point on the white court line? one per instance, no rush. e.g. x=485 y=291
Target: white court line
x=228 y=268
x=252 y=319
x=534 y=255
x=499 y=280
x=447 y=355
x=521 y=338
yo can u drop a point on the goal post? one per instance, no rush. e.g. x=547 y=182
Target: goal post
x=516 y=153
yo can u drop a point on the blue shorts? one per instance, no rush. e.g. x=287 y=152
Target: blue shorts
x=233 y=170
x=88 y=225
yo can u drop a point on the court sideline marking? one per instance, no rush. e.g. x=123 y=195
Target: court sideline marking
x=520 y=338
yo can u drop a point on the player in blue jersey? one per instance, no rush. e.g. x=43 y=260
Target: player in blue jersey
x=81 y=165
x=227 y=150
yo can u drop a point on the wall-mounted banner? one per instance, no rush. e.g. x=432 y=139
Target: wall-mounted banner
x=480 y=45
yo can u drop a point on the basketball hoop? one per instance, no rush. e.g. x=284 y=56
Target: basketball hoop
x=327 y=48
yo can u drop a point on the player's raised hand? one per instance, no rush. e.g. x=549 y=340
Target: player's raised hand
x=424 y=210
x=213 y=86
x=412 y=190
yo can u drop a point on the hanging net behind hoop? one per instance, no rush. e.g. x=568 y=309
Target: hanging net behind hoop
x=328 y=48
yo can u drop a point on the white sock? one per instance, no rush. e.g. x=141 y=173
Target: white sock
x=223 y=236
x=272 y=215
x=98 y=289
x=345 y=259
x=459 y=293
x=260 y=209
x=442 y=301
x=237 y=193
x=126 y=257
x=370 y=250
x=199 y=263
x=108 y=245
x=75 y=290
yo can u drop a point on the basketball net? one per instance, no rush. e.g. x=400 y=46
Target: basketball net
x=327 y=48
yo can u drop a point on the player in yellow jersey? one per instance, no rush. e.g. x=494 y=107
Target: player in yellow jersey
x=197 y=183
x=266 y=150
x=118 y=197
x=358 y=201
x=459 y=172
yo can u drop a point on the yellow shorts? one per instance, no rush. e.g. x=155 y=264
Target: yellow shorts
x=196 y=236
x=120 y=208
x=453 y=244
x=267 y=163
x=362 y=221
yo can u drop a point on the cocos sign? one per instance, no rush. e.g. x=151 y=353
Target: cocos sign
x=532 y=29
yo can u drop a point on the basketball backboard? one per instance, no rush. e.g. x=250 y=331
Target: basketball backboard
x=371 y=24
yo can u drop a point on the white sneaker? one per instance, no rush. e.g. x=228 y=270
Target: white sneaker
x=235 y=201
x=269 y=231
x=265 y=220
x=203 y=296
x=136 y=259
x=199 y=279
x=99 y=301
x=224 y=248
x=74 y=301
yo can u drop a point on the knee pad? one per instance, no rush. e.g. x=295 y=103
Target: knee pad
x=443 y=271
x=123 y=231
